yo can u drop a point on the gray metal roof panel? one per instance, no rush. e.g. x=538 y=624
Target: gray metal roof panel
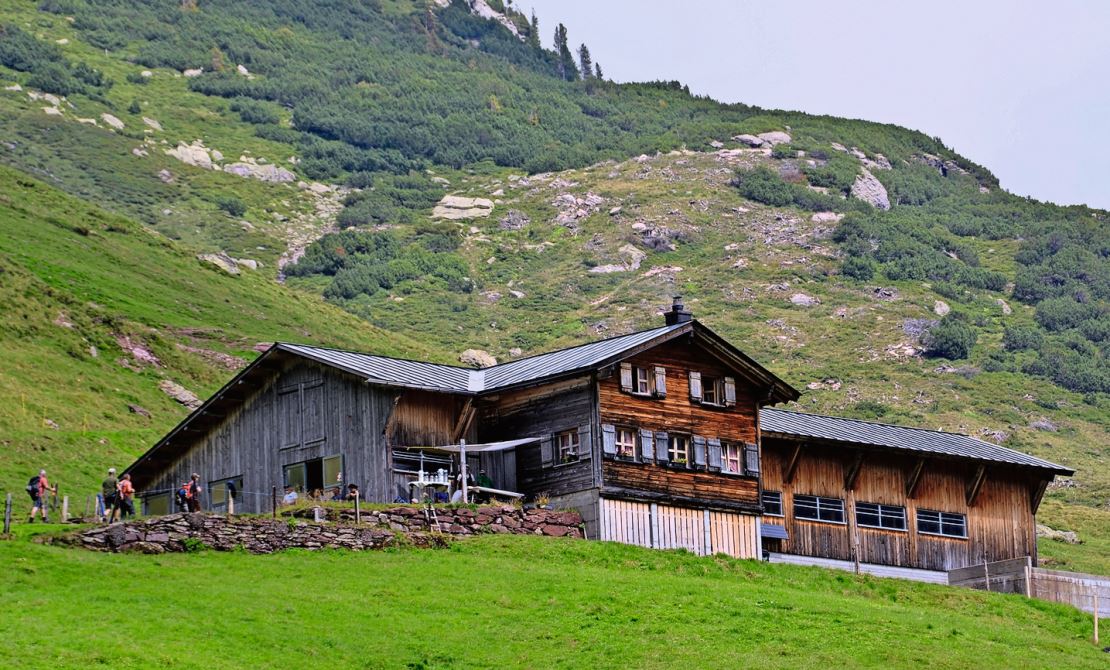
x=897 y=437
x=391 y=371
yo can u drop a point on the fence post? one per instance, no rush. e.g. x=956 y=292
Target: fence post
x=358 y=510
x=1028 y=576
x=273 y=499
x=65 y=509
x=987 y=575
x=1095 y=596
x=8 y=514
x=230 y=504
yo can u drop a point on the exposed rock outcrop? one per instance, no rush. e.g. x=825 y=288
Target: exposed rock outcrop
x=476 y=358
x=631 y=258
x=195 y=154
x=454 y=207
x=112 y=121
x=870 y=190
x=775 y=137
x=266 y=172
x=180 y=393
x=221 y=261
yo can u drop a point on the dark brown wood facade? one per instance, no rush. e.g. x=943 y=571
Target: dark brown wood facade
x=998 y=505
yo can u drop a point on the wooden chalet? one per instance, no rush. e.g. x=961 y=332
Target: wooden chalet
x=661 y=438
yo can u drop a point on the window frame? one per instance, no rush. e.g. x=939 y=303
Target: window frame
x=819 y=504
x=716 y=385
x=648 y=380
x=739 y=448
x=763 y=501
x=630 y=455
x=881 y=513
x=563 y=454
x=941 y=523
x=672 y=450
x=220 y=485
x=149 y=499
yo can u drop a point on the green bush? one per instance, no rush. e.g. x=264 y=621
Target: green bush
x=1056 y=314
x=858 y=268
x=952 y=338
x=232 y=205
x=1020 y=338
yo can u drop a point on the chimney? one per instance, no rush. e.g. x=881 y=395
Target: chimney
x=678 y=313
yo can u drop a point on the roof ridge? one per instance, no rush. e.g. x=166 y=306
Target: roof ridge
x=880 y=423
x=584 y=344
x=366 y=353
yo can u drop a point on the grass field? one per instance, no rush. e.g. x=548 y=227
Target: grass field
x=505 y=602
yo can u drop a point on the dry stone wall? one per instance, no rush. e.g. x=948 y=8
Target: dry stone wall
x=378 y=529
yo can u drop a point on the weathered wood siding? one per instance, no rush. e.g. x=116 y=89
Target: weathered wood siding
x=677 y=413
x=542 y=412
x=700 y=531
x=1000 y=523
x=305 y=411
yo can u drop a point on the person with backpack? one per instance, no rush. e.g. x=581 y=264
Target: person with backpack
x=124 y=501
x=109 y=490
x=37 y=488
x=181 y=498
x=194 y=493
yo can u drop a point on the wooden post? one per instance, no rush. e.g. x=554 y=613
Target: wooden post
x=65 y=509
x=230 y=504
x=358 y=509
x=1028 y=577
x=987 y=575
x=462 y=469
x=1095 y=596
x=273 y=499
x=8 y=514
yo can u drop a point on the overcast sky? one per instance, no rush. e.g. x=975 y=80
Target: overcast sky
x=1022 y=87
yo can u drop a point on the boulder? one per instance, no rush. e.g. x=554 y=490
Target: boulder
x=222 y=261
x=1065 y=536
x=193 y=72
x=242 y=70
x=137 y=409
x=514 y=220
x=940 y=308
x=749 y=140
x=454 y=207
x=1006 y=309
x=112 y=121
x=631 y=258
x=195 y=154
x=826 y=217
x=268 y=172
x=804 y=300
x=476 y=358
x=775 y=137
x=870 y=190
x=152 y=123
x=179 y=393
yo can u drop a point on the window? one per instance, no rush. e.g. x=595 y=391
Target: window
x=679 y=451
x=626 y=443
x=816 y=508
x=874 y=515
x=732 y=458
x=772 y=503
x=219 y=492
x=643 y=380
x=712 y=391
x=567 y=444
x=941 y=523
x=318 y=474
x=156 y=505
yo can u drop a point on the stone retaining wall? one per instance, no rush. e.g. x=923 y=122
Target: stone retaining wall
x=379 y=529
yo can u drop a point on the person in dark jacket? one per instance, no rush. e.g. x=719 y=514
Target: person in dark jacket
x=109 y=490
x=38 y=488
x=194 y=493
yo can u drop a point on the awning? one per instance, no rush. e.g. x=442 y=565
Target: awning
x=773 y=531
x=481 y=447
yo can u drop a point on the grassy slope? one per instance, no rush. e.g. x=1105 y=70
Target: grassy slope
x=574 y=604
x=63 y=261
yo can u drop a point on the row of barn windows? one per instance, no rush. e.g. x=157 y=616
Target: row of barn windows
x=692 y=451
x=868 y=515
x=651 y=381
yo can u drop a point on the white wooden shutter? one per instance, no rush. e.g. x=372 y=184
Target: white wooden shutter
x=585 y=443
x=608 y=439
x=662 y=444
x=699 y=451
x=626 y=377
x=661 y=381
x=714 y=453
x=730 y=391
x=695 y=386
x=647 y=444
x=547 y=453
x=751 y=459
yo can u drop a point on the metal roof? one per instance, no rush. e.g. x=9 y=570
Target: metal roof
x=389 y=371
x=797 y=424
x=773 y=531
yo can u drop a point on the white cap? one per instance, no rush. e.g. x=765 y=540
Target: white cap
x=111 y=471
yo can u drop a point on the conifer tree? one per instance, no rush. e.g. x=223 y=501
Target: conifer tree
x=597 y=71
x=534 y=33
x=585 y=63
x=567 y=69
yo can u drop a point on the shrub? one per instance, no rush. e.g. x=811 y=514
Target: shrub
x=783 y=151
x=763 y=185
x=232 y=205
x=1096 y=330
x=858 y=268
x=952 y=338
x=1020 y=338
x=1056 y=314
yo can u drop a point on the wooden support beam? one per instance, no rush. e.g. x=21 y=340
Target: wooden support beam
x=914 y=477
x=852 y=473
x=1038 y=493
x=976 y=485
x=466 y=414
x=792 y=464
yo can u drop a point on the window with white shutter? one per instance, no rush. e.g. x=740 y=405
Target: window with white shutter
x=714 y=453
x=695 y=386
x=608 y=439
x=661 y=381
x=730 y=391
x=751 y=460
x=647 y=444
x=699 y=451
x=626 y=377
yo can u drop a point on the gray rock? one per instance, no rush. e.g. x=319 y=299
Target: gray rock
x=514 y=220
x=749 y=140
x=775 y=137
x=453 y=207
x=1065 y=536
x=870 y=190
x=477 y=358
x=804 y=300
x=221 y=261
x=940 y=308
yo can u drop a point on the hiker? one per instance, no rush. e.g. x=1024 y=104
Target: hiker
x=194 y=493
x=125 y=499
x=181 y=498
x=109 y=490
x=37 y=488
x=290 y=496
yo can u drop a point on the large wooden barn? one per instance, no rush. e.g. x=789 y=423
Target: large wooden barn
x=661 y=438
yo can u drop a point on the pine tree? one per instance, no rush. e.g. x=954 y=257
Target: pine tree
x=534 y=33
x=597 y=71
x=567 y=69
x=585 y=63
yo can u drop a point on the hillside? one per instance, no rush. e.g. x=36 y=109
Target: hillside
x=501 y=601
x=256 y=128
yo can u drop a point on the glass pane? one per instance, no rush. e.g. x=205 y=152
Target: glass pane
x=158 y=505
x=332 y=471
x=295 y=476
x=217 y=492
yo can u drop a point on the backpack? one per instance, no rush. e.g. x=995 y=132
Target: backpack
x=33 y=487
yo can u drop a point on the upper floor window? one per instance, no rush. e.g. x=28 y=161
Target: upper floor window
x=626 y=443
x=874 y=515
x=679 y=450
x=567 y=443
x=772 y=503
x=713 y=391
x=732 y=458
x=644 y=380
x=817 y=508
x=941 y=523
